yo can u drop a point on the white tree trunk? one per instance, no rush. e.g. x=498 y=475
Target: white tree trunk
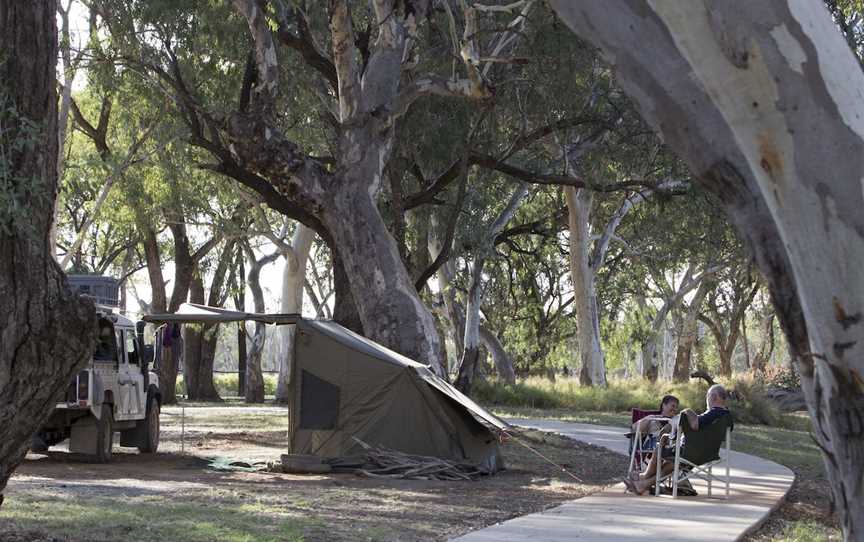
x=293 y=281
x=765 y=102
x=471 y=347
x=593 y=366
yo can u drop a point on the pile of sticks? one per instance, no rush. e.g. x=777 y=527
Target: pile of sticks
x=380 y=462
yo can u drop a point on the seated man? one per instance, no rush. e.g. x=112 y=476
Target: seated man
x=710 y=426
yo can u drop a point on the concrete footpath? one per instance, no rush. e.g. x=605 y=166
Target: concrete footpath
x=758 y=486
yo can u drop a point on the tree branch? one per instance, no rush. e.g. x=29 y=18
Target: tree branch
x=304 y=42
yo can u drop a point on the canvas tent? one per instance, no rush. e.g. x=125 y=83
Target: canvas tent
x=343 y=385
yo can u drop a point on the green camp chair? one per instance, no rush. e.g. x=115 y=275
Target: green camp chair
x=699 y=455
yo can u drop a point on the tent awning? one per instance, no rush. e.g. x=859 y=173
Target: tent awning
x=194 y=313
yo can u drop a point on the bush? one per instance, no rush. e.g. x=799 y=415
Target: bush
x=226 y=384
x=749 y=403
x=566 y=393
x=780 y=376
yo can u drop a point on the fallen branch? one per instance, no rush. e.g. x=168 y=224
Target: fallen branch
x=383 y=462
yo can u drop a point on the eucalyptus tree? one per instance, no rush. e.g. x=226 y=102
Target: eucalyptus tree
x=725 y=310
x=254 y=378
x=293 y=283
x=757 y=98
x=99 y=157
x=48 y=332
x=365 y=88
x=199 y=341
x=588 y=252
x=686 y=324
x=528 y=303
x=481 y=252
x=70 y=65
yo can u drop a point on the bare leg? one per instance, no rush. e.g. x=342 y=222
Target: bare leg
x=652 y=468
x=642 y=485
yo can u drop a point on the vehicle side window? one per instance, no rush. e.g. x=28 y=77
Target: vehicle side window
x=131 y=348
x=106 y=346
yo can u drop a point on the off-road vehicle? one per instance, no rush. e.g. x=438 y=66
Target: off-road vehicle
x=115 y=392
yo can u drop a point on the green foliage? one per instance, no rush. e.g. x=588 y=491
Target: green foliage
x=566 y=393
x=749 y=404
x=19 y=195
x=226 y=384
x=780 y=376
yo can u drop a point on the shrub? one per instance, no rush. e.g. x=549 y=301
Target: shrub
x=226 y=384
x=780 y=376
x=566 y=393
x=749 y=403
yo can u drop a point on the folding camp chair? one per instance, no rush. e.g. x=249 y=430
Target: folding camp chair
x=702 y=449
x=641 y=445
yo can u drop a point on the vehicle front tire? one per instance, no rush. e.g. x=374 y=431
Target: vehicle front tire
x=105 y=435
x=150 y=436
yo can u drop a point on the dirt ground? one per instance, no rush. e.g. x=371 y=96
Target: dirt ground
x=174 y=495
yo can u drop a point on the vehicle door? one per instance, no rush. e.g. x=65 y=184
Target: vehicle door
x=132 y=400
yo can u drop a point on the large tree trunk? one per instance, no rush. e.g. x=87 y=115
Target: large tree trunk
x=200 y=357
x=503 y=361
x=293 y=280
x=46 y=332
x=592 y=371
x=199 y=351
x=184 y=268
x=758 y=97
x=342 y=199
x=471 y=338
x=390 y=310
x=159 y=301
x=345 y=311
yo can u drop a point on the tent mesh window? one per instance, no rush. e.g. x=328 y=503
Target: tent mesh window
x=319 y=403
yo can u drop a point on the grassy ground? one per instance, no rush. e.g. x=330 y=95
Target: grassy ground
x=174 y=496
x=804 y=517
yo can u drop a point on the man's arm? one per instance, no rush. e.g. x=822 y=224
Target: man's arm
x=692 y=418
